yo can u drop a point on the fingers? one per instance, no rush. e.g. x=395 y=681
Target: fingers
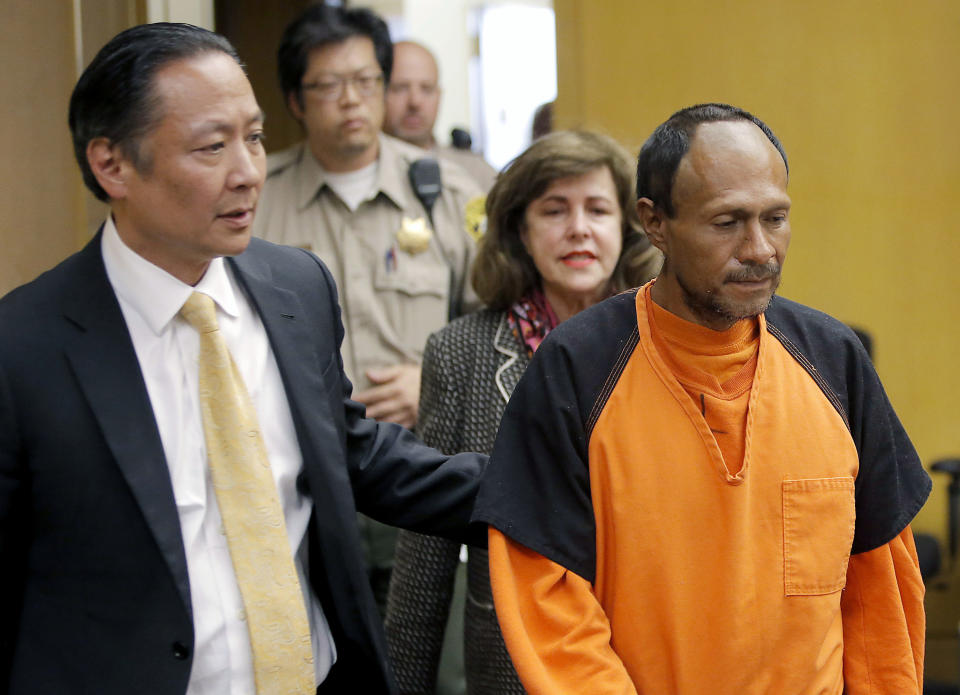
x=383 y=375
x=402 y=416
x=374 y=394
x=393 y=409
x=395 y=395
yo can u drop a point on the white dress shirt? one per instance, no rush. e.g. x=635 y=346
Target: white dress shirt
x=167 y=348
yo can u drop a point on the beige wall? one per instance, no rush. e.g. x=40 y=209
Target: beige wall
x=45 y=212
x=863 y=95
x=39 y=198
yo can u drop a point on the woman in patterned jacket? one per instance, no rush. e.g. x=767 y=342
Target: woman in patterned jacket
x=562 y=235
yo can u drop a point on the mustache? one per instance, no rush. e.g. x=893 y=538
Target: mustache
x=755 y=273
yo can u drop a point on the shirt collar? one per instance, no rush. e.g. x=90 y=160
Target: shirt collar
x=394 y=168
x=152 y=292
x=391 y=178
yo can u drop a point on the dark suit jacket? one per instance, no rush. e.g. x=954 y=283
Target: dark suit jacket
x=94 y=594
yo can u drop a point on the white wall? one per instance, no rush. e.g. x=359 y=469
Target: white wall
x=441 y=26
x=449 y=29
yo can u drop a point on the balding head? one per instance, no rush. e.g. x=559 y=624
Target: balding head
x=413 y=96
x=726 y=237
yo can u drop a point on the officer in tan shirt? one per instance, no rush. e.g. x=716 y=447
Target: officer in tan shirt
x=345 y=194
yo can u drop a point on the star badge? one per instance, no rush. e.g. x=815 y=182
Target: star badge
x=414 y=235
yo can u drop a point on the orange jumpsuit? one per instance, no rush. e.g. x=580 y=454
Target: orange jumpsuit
x=674 y=512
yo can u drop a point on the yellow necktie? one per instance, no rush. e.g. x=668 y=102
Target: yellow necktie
x=252 y=516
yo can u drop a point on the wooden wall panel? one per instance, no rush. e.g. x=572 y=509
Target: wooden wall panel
x=40 y=201
x=255 y=28
x=45 y=212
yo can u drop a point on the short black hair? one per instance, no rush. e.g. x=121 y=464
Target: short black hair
x=114 y=97
x=321 y=25
x=661 y=154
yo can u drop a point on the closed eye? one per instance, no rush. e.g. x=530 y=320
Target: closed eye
x=326 y=87
x=367 y=83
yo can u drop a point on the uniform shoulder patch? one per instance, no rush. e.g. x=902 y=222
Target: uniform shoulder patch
x=475 y=217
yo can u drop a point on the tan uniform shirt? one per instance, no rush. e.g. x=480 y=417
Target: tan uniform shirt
x=471 y=162
x=393 y=295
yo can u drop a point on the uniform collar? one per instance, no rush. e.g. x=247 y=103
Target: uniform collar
x=394 y=159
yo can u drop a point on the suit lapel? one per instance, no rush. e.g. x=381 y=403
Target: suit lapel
x=301 y=360
x=106 y=366
x=512 y=356
x=293 y=346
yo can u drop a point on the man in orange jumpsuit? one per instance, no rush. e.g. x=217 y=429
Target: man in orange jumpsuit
x=699 y=487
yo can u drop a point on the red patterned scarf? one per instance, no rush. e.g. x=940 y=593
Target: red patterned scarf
x=531 y=318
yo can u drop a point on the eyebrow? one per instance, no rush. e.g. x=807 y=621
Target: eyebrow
x=744 y=212
x=224 y=126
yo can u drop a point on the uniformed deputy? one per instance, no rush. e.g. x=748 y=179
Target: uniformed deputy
x=345 y=194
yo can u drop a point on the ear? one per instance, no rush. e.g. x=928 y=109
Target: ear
x=653 y=221
x=110 y=167
x=293 y=103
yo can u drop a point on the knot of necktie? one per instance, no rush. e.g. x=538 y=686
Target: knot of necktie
x=200 y=312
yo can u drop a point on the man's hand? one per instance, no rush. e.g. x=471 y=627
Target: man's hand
x=395 y=395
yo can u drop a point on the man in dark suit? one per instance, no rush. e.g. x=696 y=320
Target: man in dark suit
x=118 y=552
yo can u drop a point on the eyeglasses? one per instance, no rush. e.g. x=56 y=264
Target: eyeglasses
x=332 y=88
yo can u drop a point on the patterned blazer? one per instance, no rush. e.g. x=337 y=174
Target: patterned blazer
x=470 y=369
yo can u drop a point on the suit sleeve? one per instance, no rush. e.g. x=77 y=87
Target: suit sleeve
x=556 y=631
x=421 y=585
x=395 y=478
x=884 y=621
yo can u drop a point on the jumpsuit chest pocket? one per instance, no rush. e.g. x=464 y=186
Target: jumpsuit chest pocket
x=819 y=515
